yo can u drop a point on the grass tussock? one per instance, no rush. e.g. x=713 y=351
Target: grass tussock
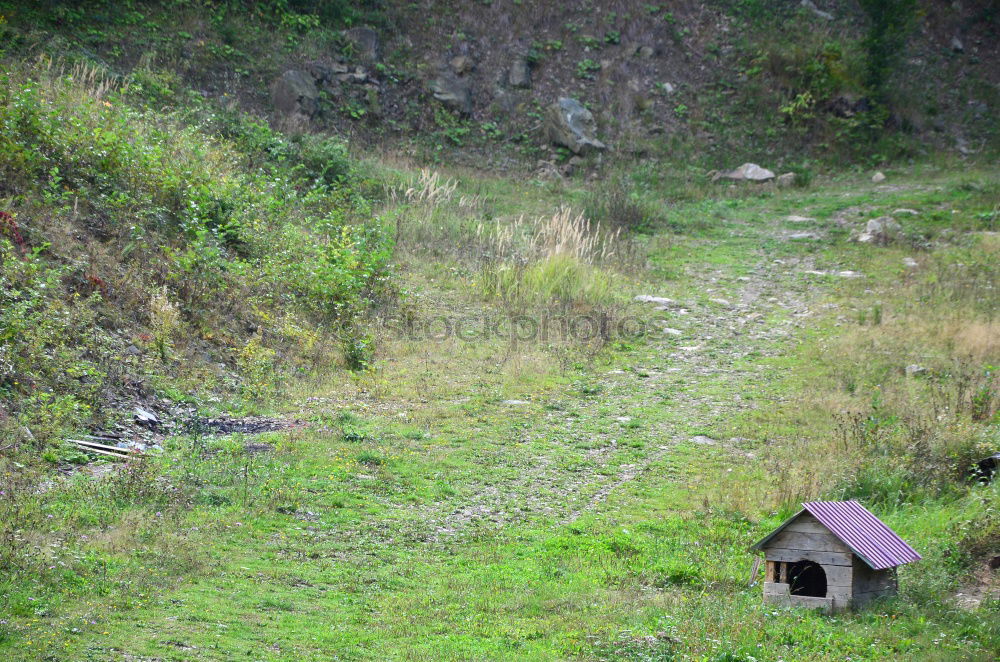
x=560 y=258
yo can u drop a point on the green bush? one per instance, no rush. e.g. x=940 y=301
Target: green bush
x=322 y=159
x=212 y=214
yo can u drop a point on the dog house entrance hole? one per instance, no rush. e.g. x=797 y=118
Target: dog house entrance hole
x=807 y=578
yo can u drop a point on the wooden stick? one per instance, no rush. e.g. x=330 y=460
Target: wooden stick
x=110 y=448
x=756 y=569
x=95 y=450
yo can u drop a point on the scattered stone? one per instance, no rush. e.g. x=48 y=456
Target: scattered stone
x=146 y=417
x=956 y=45
x=850 y=274
x=703 y=440
x=799 y=219
x=909 y=263
x=132 y=350
x=365 y=42
x=878 y=177
x=915 y=370
x=786 y=180
x=803 y=235
x=454 y=92
x=295 y=93
x=519 y=74
x=571 y=125
x=672 y=332
x=881 y=230
x=222 y=426
x=722 y=302
x=645 y=52
x=662 y=301
x=748 y=172
x=910 y=212
x=811 y=6
x=461 y=64
x=514 y=402
x=668 y=88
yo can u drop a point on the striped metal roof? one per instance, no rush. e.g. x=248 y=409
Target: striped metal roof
x=859 y=529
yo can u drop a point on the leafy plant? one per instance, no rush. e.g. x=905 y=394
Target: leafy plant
x=586 y=68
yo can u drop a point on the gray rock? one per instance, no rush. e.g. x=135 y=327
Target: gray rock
x=750 y=172
x=365 y=42
x=811 y=6
x=569 y=124
x=915 y=370
x=799 y=219
x=661 y=301
x=294 y=92
x=462 y=64
x=519 y=74
x=132 y=350
x=908 y=212
x=910 y=263
x=786 y=180
x=514 y=402
x=956 y=45
x=803 y=235
x=454 y=92
x=702 y=440
x=645 y=52
x=145 y=417
x=881 y=230
x=878 y=177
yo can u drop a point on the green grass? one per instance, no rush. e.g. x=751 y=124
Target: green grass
x=478 y=499
x=448 y=496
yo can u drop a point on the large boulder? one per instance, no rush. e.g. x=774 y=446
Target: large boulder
x=295 y=93
x=881 y=230
x=365 y=42
x=569 y=124
x=453 y=91
x=748 y=172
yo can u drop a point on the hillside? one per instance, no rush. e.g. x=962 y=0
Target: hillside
x=386 y=370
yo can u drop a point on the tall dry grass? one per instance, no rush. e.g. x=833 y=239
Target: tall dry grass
x=563 y=234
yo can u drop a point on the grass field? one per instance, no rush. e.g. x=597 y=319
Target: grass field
x=478 y=497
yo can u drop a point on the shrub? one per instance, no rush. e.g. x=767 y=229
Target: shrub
x=323 y=160
x=614 y=207
x=359 y=351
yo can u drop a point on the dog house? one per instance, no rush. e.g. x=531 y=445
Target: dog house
x=832 y=555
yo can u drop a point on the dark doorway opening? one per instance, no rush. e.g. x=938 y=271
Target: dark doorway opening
x=807 y=578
